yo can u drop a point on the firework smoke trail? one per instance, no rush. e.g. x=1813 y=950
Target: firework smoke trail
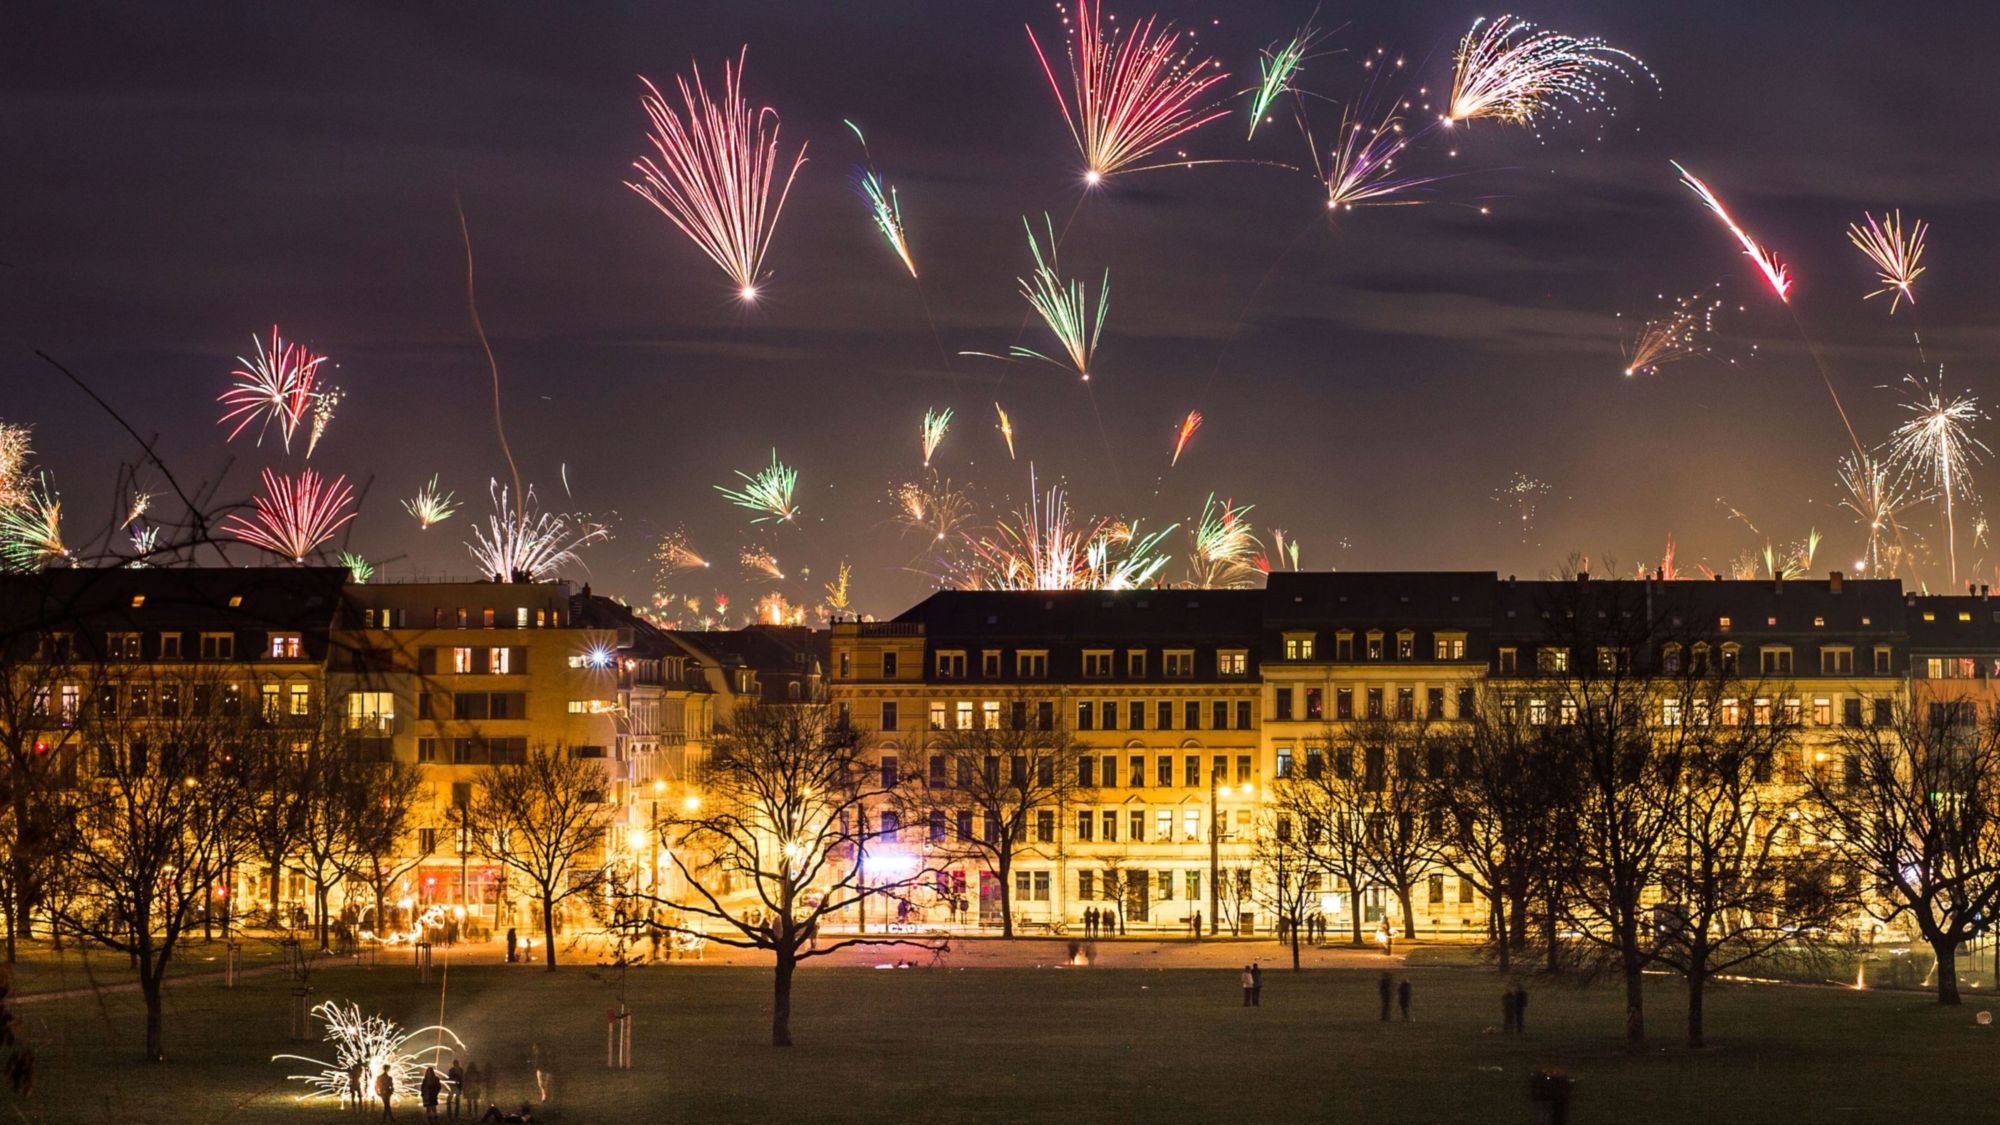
x=675 y=554
x=1774 y=271
x=769 y=492
x=526 y=544
x=374 y=1044
x=1006 y=429
x=323 y=404
x=359 y=570
x=431 y=506
x=1277 y=67
x=276 y=387
x=1935 y=447
x=1188 y=426
x=1509 y=70
x=1225 y=546
x=16 y=447
x=31 y=529
x=1897 y=254
x=295 y=515
x=1875 y=494
x=1064 y=307
x=715 y=172
x=1133 y=93
x=936 y=422
x=883 y=205
x=1681 y=333
x=761 y=563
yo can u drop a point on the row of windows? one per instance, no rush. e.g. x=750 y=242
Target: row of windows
x=172 y=646
x=1102 y=772
x=520 y=617
x=1375 y=645
x=473 y=705
x=168 y=700
x=469 y=660
x=470 y=752
x=1098 y=664
x=1133 y=714
x=1310 y=703
x=1223 y=714
x=1772 y=660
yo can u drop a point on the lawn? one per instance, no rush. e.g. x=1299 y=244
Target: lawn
x=1009 y=1045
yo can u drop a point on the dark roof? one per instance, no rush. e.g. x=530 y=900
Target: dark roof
x=92 y=601
x=1371 y=598
x=1194 y=616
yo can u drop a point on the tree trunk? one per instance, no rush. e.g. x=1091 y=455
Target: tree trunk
x=1517 y=923
x=1409 y=912
x=1497 y=912
x=320 y=908
x=1635 y=1000
x=1947 y=970
x=1001 y=869
x=781 y=999
x=1552 y=935
x=277 y=887
x=149 y=986
x=549 y=932
x=1295 y=945
x=1354 y=911
x=1697 y=989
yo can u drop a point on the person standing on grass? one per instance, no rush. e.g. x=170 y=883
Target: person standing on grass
x=1403 y=998
x=428 y=1092
x=1249 y=984
x=1384 y=988
x=1256 y=985
x=454 y=1088
x=385 y=1088
x=357 y=1097
x=1509 y=1013
x=1520 y=1008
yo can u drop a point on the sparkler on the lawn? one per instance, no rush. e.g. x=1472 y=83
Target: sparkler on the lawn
x=31 y=528
x=1774 y=271
x=1277 y=66
x=883 y=204
x=526 y=544
x=16 y=447
x=359 y=570
x=1875 y=493
x=932 y=507
x=1510 y=70
x=1131 y=92
x=1188 y=426
x=429 y=505
x=1063 y=306
x=1936 y=449
x=675 y=554
x=372 y=1044
x=936 y=422
x=1682 y=332
x=1046 y=547
x=1006 y=429
x=718 y=163
x=1898 y=254
x=1225 y=546
x=276 y=388
x=762 y=564
x=296 y=515
x=769 y=492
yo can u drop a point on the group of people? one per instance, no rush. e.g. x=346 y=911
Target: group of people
x=437 y=1093
x=1514 y=1009
x=1253 y=985
x=1388 y=987
x=1101 y=922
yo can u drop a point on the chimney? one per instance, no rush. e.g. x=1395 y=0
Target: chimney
x=1833 y=581
x=1583 y=576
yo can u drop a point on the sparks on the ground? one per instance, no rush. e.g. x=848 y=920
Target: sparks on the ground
x=718 y=163
x=883 y=204
x=1774 y=271
x=1510 y=70
x=1006 y=429
x=1130 y=93
x=526 y=544
x=1683 y=331
x=1277 y=66
x=768 y=492
x=936 y=422
x=1936 y=449
x=430 y=505
x=1898 y=254
x=296 y=515
x=1188 y=426
x=372 y=1045
x=31 y=528
x=275 y=388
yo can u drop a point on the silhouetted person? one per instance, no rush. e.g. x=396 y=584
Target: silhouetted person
x=385 y=1088
x=1520 y=1008
x=429 y=1091
x=1510 y=1013
x=1385 y=988
x=1249 y=983
x=454 y=1088
x=1256 y=985
x=1403 y=999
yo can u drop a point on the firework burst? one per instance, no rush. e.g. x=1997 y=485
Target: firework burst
x=1774 y=271
x=760 y=563
x=1225 y=546
x=429 y=505
x=1682 y=332
x=16 y=447
x=1132 y=93
x=526 y=544
x=1898 y=254
x=717 y=166
x=769 y=492
x=374 y=1044
x=883 y=204
x=1509 y=70
x=323 y=405
x=936 y=422
x=1278 y=66
x=276 y=388
x=1359 y=168
x=675 y=554
x=1046 y=547
x=31 y=529
x=1188 y=426
x=359 y=570
x=296 y=515
x=1936 y=449
x=931 y=507
x=1063 y=306
x=1875 y=494
x=1006 y=429
x=1522 y=497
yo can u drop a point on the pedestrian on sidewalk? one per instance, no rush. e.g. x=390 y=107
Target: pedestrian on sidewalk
x=1194 y=925
x=1249 y=984
x=1256 y=985
x=1403 y=998
x=1385 y=987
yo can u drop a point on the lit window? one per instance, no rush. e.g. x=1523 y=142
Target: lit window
x=499 y=661
x=301 y=695
x=461 y=660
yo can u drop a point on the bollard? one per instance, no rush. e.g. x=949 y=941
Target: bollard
x=422 y=952
x=618 y=1038
x=231 y=956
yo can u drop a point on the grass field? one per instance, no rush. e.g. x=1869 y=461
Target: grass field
x=1025 y=1044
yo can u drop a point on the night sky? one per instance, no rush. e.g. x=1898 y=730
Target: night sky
x=178 y=179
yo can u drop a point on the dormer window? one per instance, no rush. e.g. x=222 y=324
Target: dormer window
x=951 y=665
x=1298 y=646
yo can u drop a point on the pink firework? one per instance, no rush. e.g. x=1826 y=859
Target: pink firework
x=295 y=515
x=1774 y=270
x=1133 y=92
x=717 y=165
x=276 y=387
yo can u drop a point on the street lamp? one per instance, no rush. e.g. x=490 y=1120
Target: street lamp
x=1217 y=789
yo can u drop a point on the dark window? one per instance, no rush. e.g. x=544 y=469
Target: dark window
x=1315 y=704
x=1086 y=772
x=1135 y=715
x=1434 y=703
x=1164 y=716
x=1192 y=714
x=1218 y=714
x=888 y=714
x=1242 y=714
x=1343 y=703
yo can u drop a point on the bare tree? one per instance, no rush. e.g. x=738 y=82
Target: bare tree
x=1402 y=834
x=542 y=817
x=389 y=796
x=791 y=804
x=1009 y=777
x=1915 y=805
x=45 y=711
x=1289 y=867
x=275 y=821
x=1325 y=805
